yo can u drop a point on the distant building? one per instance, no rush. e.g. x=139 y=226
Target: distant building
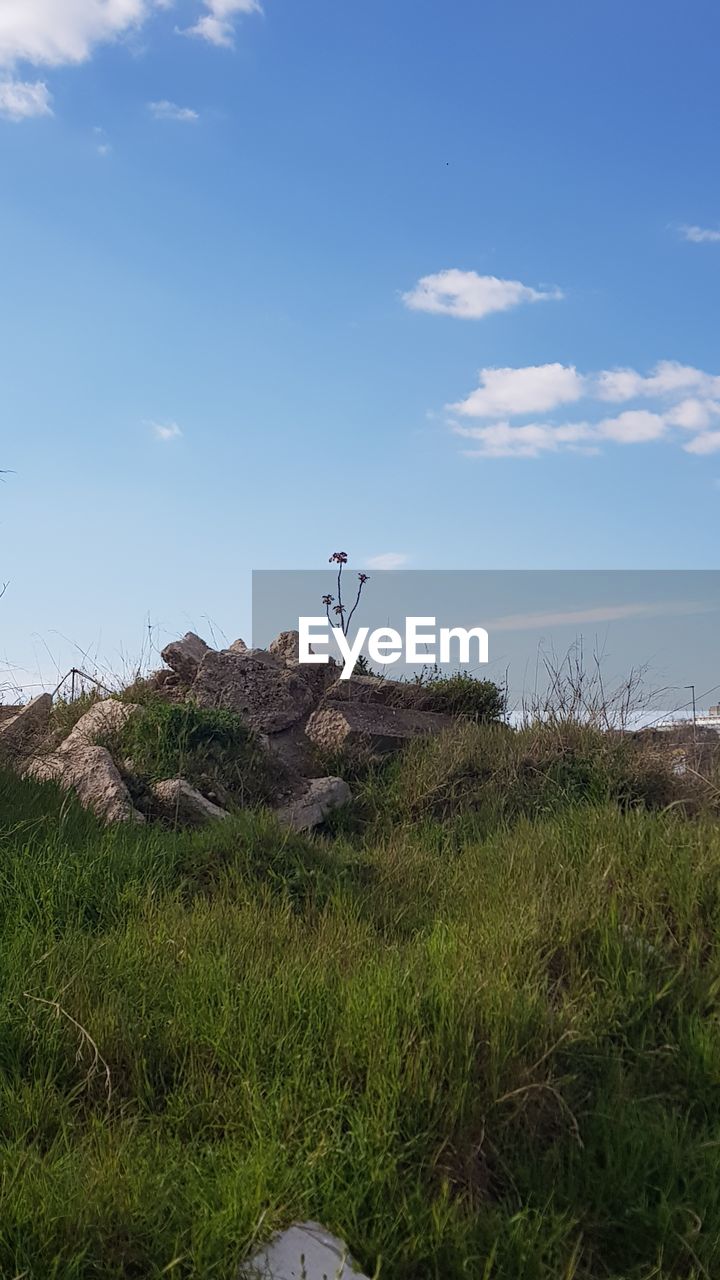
x=710 y=721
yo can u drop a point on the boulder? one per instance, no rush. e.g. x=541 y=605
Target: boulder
x=185 y=656
x=21 y=734
x=318 y=675
x=269 y=695
x=316 y=802
x=91 y=773
x=179 y=802
x=286 y=646
x=102 y=721
x=338 y=726
x=306 y=1251
x=238 y=646
x=371 y=689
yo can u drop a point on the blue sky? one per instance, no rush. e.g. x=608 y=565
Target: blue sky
x=423 y=281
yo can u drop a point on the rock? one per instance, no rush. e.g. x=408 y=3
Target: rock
x=21 y=734
x=312 y=807
x=238 y=646
x=181 y=803
x=318 y=675
x=294 y=750
x=91 y=773
x=370 y=689
x=286 y=646
x=337 y=726
x=269 y=695
x=102 y=721
x=185 y=656
x=306 y=1251
x=8 y=712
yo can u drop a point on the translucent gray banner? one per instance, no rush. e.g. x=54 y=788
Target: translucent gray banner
x=662 y=626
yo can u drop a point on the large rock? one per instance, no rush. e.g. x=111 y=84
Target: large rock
x=103 y=720
x=371 y=689
x=317 y=801
x=185 y=656
x=318 y=675
x=179 y=802
x=338 y=726
x=91 y=773
x=306 y=1251
x=268 y=694
x=21 y=734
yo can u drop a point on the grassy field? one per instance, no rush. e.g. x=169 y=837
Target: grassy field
x=473 y=1029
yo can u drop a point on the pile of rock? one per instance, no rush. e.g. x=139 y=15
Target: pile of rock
x=298 y=711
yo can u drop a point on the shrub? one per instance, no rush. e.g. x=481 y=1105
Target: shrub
x=461 y=694
x=212 y=748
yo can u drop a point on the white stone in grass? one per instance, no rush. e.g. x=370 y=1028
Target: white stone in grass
x=103 y=720
x=306 y=1251
x=309 y=810
x=180 y=802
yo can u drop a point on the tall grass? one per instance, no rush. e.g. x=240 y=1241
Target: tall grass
x=475 y=1043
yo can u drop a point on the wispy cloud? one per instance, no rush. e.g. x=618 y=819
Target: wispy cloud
x=102 y=146
x=706 y=442
x=388 y=560
x=507 y=394
x=587 y=614
x=700 y=235
x=165 y=110
x=217 y=26
x=502 y=440
x=24 y=99
x=165 y=430
x=468 y=296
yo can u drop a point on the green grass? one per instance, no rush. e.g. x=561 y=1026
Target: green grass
x=475 y=1040
x=213 y=749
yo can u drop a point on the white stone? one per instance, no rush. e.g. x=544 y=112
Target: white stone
x=306 y=1251
x=185 y=656
x=101 y=721
x=91 y=773
x=312 y=807
x=179 y=801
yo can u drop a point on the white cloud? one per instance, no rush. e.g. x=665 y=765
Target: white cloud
x=388 y=560
x=165 y=430
x=469 y=296
x=55 y=32
x=506 y=394
x=23 y=99
x=666 y=378
x=700 y=235
x=693 y=415
x=533 y=389
x=501 y=440
x=635 y=426
x=706 y=442
x=217 y=26
x=165 y=110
